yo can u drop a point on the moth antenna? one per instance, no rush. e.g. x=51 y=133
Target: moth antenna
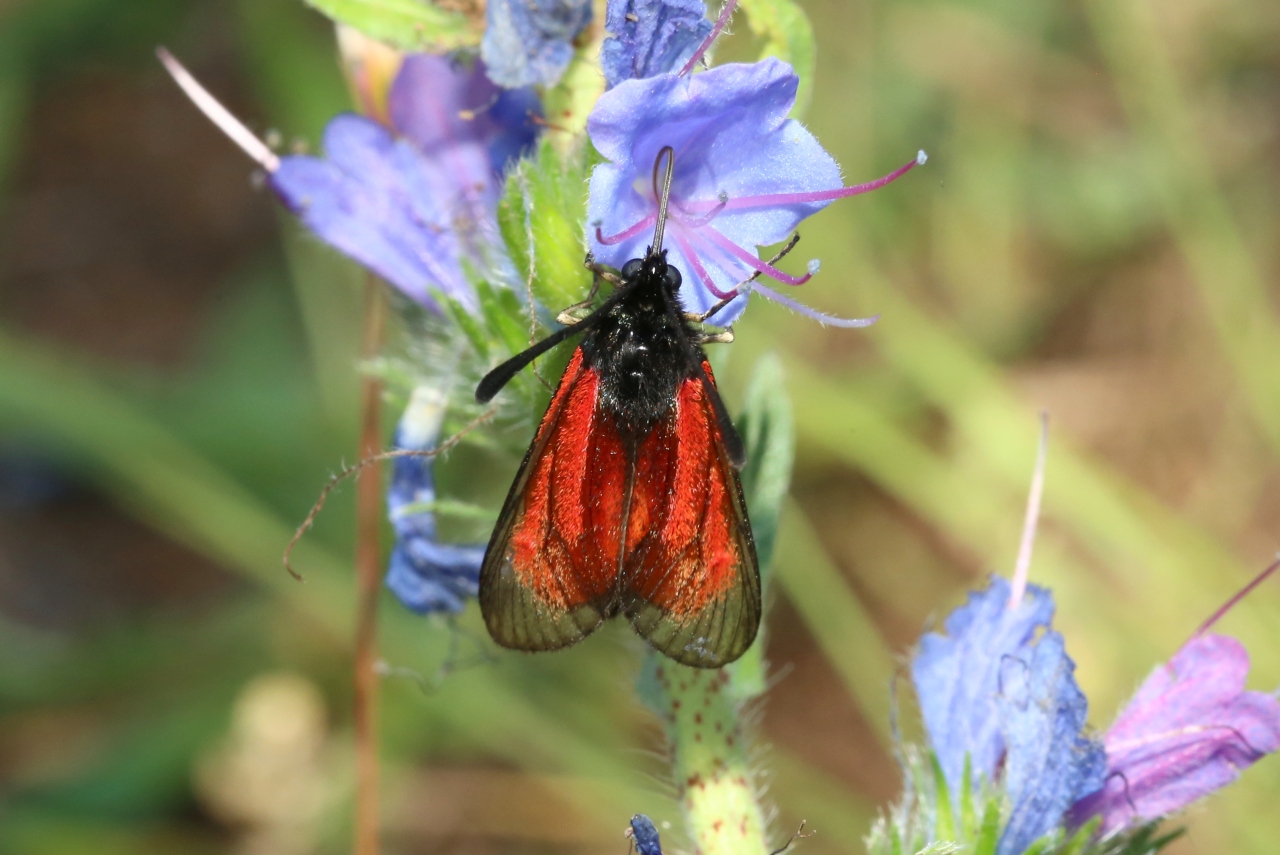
x=664 y=197
x=493 y=382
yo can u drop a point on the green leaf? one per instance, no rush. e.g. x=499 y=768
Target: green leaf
x=967 y=817
x=788 y=35
x=407 y=24
x=768 y=432
x=946 y=819
x=543 y=207
x=503 y=316
x=989 y=834
x=468 y=323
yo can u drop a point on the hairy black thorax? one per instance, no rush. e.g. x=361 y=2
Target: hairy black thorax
x=642 y=349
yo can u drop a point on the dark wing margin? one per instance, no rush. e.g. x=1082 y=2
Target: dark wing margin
x=691 y=582
x=532 y=595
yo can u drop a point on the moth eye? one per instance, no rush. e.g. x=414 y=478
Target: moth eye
x=631 y=269
x=672 y=278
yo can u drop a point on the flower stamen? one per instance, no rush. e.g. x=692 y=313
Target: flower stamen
x=779 y=199
x=626 y=234
x=218 y=114
x=682 y=241
x=721 y=22
x=753 y=261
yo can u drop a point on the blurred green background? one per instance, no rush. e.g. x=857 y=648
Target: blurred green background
x=1094 y=235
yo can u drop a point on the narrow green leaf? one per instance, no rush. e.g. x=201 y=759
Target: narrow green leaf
x=503 y=316
x=946 y=819
x=407 y=24
x=968 y=821
x=989 y=834
x=788 y=35
x=768 y=432
x=469 y=324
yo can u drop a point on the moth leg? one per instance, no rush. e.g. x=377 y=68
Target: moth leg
x=723 y=337
x=737 y=289
x=578 y=311
x=604 y=271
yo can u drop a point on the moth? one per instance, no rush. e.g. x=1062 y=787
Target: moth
x=628 y=501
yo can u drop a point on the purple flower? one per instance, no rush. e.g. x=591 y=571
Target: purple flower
x=648 y=37
x=745 y=176
x=426 y=575
x=1190 y=729
x=411 y=205
x=999 y=689
x=529 y=42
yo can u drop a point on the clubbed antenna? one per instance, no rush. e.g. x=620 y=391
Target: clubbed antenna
x=664 y=197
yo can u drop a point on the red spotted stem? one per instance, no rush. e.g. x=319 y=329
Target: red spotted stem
x=1032 y=519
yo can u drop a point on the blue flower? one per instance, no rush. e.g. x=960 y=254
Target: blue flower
x=1190 y=729
x=648 y=37
x=530 y=42
x=999 y=688
x=412 y=204
x=426 y=575
x=1049 y=763
x=645 y=835
x=745 y=176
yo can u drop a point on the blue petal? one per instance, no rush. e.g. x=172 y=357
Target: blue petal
x=358 y=201
x=645 y=835
x=1049 y=763
x=648 y=37
x=957 y=676
x=732 y=139
x=528 y=42
x=394 y=202
x=427 y=576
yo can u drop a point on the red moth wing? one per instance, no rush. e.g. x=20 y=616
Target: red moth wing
x=690 y=580
x=549 y=576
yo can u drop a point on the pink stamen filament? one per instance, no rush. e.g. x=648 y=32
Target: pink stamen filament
x=779 y=199
x=769 y=294
x=812 y=314
x=628 y=233
x=1032 y=518
x=697 y=222
x=750 y=259
x=1240 y=595
x=721 y=23
x=682 y=241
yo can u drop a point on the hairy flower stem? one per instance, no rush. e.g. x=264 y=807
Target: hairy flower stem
x=710 y=761
x=368 y=578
